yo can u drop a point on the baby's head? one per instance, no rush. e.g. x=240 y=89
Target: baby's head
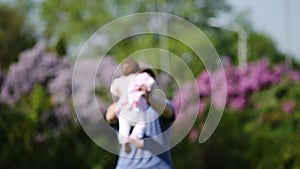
x=130 y=66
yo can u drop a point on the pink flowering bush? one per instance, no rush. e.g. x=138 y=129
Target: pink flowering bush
x=260 y=124
x=259 y=128
x=241 y=83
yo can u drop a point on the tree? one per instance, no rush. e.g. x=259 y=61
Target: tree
x=261 y=45
x=68 y=22
x=14 y=36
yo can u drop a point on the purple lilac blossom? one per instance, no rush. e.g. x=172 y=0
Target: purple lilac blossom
x=40 y=138
x=238 y=103
x=107 y=71
x=203 y=83
x=84 y=95
x=240 y=82
x=60 y=86
x=226 y=61
x=220 y=94
x=35 y=66
x=164 y=80
x=294 y=75
x=193 y=135
x=2 y=78
x=278 y=73
x=289 y=106
x=63 y=114
x=202 y=107
x=21 y=76
x=183 y=95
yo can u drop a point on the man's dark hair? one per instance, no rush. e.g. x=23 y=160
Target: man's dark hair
x=149 y=71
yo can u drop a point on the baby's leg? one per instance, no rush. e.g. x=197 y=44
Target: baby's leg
x=124 y=130
x=137 y=134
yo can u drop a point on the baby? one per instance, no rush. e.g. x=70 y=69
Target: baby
x=131 y=89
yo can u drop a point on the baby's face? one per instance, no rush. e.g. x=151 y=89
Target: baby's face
x=144 y=88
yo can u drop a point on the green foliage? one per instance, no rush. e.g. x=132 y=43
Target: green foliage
x=103 y=94
x=187 y=154
x=66 y=21
x=174 y=46
x=14 y=38
x=16 y=138
x=260 y=46
x=274 y=131
x=225 y=42
x=60 y=47
x=39 y=102
x=20 y=147
x=262 y=136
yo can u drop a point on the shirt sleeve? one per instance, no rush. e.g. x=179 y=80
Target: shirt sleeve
x=114 y=126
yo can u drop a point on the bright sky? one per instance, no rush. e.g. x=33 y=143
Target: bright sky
x=271 y=17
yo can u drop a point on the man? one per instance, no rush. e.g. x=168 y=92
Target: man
x=156 y=153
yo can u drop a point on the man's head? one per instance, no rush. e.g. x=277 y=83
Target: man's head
x=149 y=72
x=130 y=66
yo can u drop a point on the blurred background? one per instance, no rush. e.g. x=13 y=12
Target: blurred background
x=257 y=42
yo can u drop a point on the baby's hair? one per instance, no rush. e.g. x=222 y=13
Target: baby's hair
x=149 y=71
x=130 y=66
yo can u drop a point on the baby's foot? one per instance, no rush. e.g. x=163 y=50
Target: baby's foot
x=127 y=147
x=139 y=143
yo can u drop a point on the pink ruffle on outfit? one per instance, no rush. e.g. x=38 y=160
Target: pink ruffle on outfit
x=135 y=93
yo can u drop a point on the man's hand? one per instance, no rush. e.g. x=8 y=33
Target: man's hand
x=158 y=102
x=110 y=115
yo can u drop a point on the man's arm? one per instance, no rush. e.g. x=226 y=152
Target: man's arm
x=160 y=105
x=110 y=115
x=157 y=103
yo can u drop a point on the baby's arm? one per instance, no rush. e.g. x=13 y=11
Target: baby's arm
x=115 y=88
x=149 y=83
